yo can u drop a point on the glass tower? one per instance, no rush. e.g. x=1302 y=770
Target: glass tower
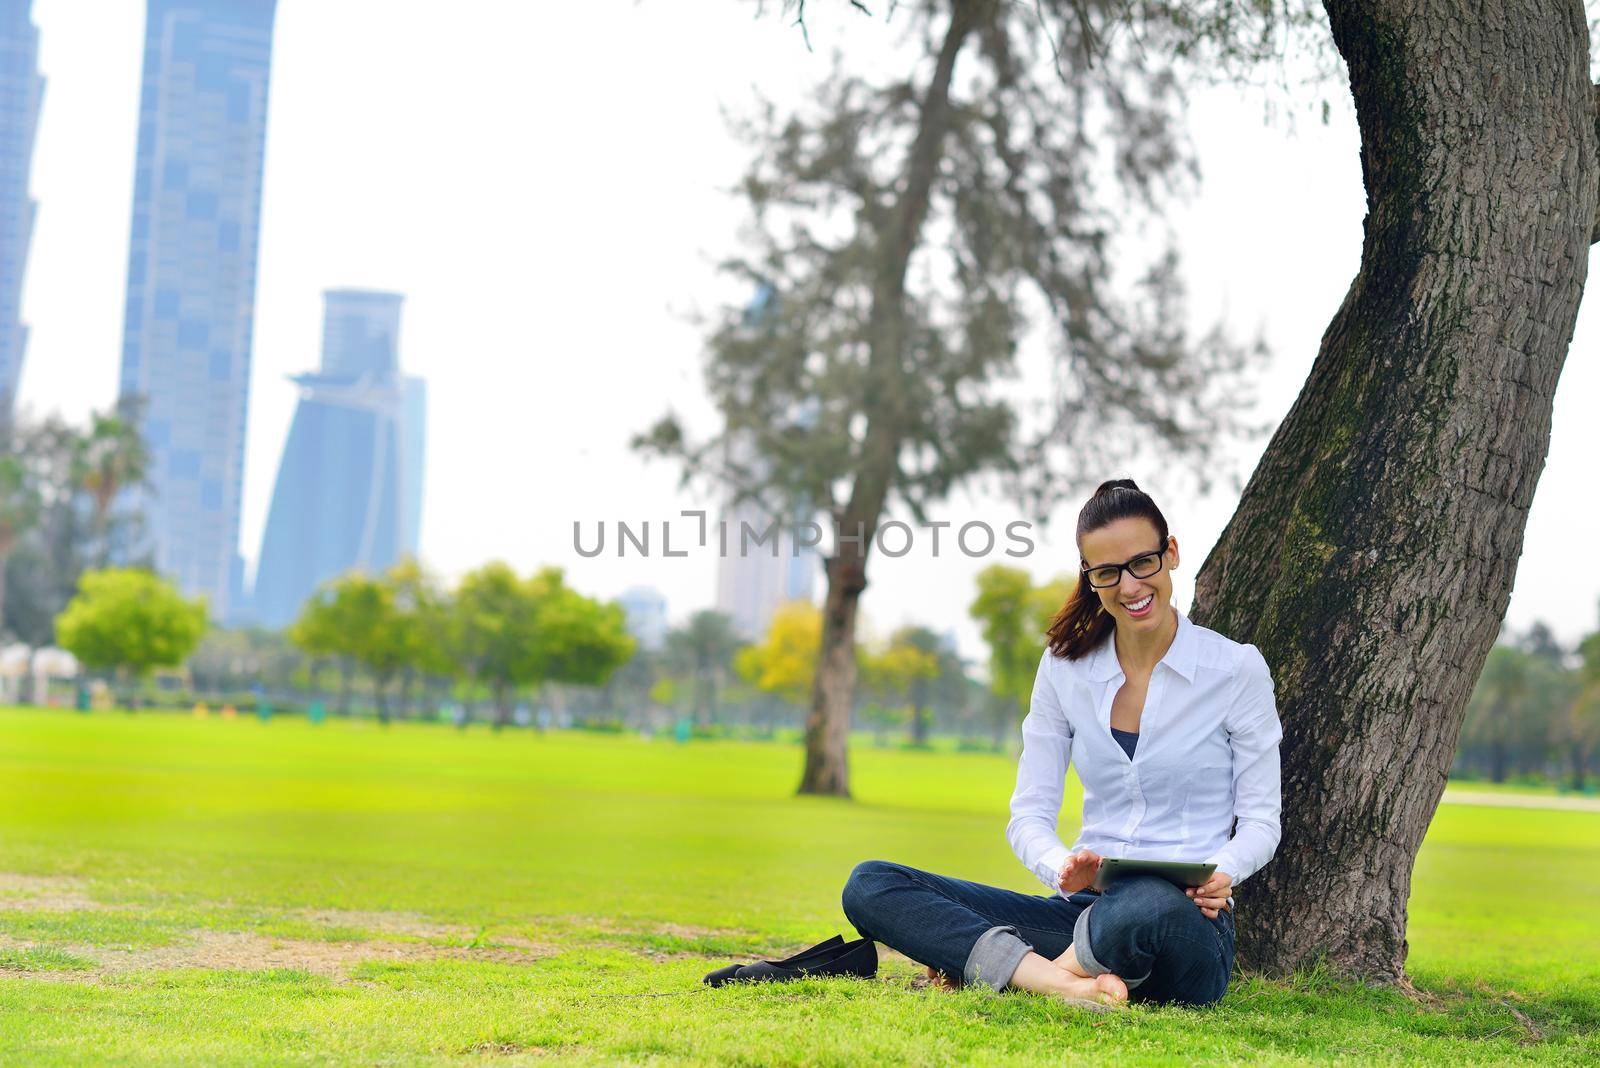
x=192 y=278
x=21 y=89
x=349 y=489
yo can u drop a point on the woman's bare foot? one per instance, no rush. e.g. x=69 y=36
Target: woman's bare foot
x=1098 y=992
x=1069 y=961
x=936 y=978
x=1045 y=976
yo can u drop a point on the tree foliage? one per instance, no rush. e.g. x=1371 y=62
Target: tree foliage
x=510 y=633
x=129 y=621
x=910 y=231
x=58 y=488
x=1013 y=615
x=785 y=660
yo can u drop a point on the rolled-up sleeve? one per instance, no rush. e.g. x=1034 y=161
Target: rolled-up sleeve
x=1254 y=732
x=1041 y=780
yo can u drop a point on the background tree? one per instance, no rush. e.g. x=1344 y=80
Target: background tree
x=580 y=641
x=1496 y=711
x=128 y=621
x=907 y=232
x=493 y=634
x=330 y=625
x=1372 y=554
x=108 y=460
x=931 y=682
x=703 y=650
x=1582 y=735
x=231 y=660
x=422 y=626
x=19 y=512
x=785 y=660
x=380 y=634
x=1013 y=615
x=67 y=531
x=897 y=677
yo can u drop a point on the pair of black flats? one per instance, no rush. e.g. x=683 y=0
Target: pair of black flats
x=832 y=957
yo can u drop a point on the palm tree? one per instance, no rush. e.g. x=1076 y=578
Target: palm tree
x=19 y=511
x=703 y=649
x=109 y=459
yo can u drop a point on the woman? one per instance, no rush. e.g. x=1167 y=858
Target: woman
x=1174 y=733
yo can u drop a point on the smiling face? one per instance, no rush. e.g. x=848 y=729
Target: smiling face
x=1135 y=603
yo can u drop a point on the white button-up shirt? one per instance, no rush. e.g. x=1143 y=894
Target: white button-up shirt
x=1207 y=756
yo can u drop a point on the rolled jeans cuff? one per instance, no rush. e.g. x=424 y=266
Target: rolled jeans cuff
x=995 y=956
x=1084 y=952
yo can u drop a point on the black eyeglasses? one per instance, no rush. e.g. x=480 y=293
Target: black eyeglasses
x=1142 y=566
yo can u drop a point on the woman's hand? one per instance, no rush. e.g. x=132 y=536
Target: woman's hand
x=1212 y=897
x=1078 y=871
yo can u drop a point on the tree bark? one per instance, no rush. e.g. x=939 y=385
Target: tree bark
x=827 y=768
x=1372 y=554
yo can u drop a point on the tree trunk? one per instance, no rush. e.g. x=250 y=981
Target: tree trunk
x=1578 y=762
x=1372 y=554
x=502 y=705
x=408 y=678
x=346 y=682
x=833 y=689
x=919 y=726
x=827 y=769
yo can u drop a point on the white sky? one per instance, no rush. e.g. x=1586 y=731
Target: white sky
x=545 y=182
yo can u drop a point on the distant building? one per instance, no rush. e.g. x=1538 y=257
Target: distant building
x=21 y=90
x=647 y=615
x=752 y=583
x=349 y=488
x=192 y=278
x=415 y=447
x=763 y=566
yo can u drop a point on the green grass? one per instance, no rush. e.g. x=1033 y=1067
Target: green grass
x=179 y=889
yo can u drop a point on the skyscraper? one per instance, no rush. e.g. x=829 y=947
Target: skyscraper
x=21 y=90
x=349 y=488
x=763 y=564
x=192 y=277
x=646 y=610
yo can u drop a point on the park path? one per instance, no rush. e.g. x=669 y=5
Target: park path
x=1563 y=804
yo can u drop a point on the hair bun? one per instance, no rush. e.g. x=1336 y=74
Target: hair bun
x=1116 y=483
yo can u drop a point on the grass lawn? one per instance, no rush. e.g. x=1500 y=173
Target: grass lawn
x=226 y=891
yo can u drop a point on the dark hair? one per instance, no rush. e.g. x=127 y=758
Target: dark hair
x=1083 y=622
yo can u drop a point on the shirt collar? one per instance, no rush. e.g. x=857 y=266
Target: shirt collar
x=1181 y=654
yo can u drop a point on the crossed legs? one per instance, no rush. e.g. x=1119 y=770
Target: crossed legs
x=1142 y=937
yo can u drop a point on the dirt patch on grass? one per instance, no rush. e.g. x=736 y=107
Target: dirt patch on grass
x=48 y=893
x=401 y=936
x=240 y=951
x=226 y=950
x=407 y=924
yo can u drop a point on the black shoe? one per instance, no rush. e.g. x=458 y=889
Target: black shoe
x=821 y=949
x=834 y=957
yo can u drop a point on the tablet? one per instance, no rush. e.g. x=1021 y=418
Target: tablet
x=1177 y=872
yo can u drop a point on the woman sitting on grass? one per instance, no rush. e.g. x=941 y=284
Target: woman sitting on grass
x=1174 y=733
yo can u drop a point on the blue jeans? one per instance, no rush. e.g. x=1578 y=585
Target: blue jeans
x=1144 y=930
